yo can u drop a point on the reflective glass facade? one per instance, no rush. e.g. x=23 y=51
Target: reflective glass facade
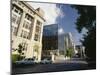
x=50 y=37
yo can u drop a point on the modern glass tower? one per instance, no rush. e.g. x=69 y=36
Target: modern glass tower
x=50 y=40
x=54 y=43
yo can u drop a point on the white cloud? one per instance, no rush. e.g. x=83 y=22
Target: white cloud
x=60 y=31
x=51 y=11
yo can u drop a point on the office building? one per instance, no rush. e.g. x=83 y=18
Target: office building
x=50 y=40
x=55 y=44
x=65 y=42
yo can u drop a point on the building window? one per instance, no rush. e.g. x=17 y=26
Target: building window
x=39 y=23
x=28 y=17
x=17 y=9
x=14 y=30
x=38 y=31
x=15 y=19
x=26 y=25
x=36 y=37
x=25 y=34
x=16 y=14
x=38 y=27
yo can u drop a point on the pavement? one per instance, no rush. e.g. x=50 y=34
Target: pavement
x=59 y=65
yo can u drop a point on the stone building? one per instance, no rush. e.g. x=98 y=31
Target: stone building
x=26 y=29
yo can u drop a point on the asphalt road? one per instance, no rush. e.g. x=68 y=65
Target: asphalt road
x=62 y=65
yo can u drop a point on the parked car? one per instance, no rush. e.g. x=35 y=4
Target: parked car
x=26 y=61
x=76 y=56
x=46 y=61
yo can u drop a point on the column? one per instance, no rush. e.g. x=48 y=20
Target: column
x=21 y=24
x=33 y=30
x=41 y=34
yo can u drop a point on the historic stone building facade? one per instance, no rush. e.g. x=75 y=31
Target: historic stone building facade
x=26 y=29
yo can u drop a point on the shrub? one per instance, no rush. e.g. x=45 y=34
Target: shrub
x=15 y=57
x=69 y=52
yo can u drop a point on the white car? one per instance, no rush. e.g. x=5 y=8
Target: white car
x=26 y=61
x=46 y=61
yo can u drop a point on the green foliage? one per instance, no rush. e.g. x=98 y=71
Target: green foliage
x=20 y=49
x=69 y=52
x=15 y=57
x=87 y=17
x=87 y=20
x=90 y=43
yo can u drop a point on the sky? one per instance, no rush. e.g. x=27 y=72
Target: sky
x=63 y=15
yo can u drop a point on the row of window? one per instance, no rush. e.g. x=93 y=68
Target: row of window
x=38 y=27
x=38 y=31
x=22 y=5
x=25 y=34
x=26 y=24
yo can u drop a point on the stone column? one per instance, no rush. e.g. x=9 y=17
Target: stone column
x=21 y=24
x=41 y=34
x=40 y=40
x=33 y=30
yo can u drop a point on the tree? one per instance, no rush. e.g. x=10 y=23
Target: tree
x=69 y=52
x=87 y=17
x=90 y=43
x=20 y=49
x=87 y=20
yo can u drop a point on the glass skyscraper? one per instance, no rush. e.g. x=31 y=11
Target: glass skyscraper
x=55 y=43
x=50 y=40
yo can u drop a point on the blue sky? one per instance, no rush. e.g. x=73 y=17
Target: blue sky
x=62 y=14
x=68 y=21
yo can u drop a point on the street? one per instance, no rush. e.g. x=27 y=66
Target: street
x=63 y=65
